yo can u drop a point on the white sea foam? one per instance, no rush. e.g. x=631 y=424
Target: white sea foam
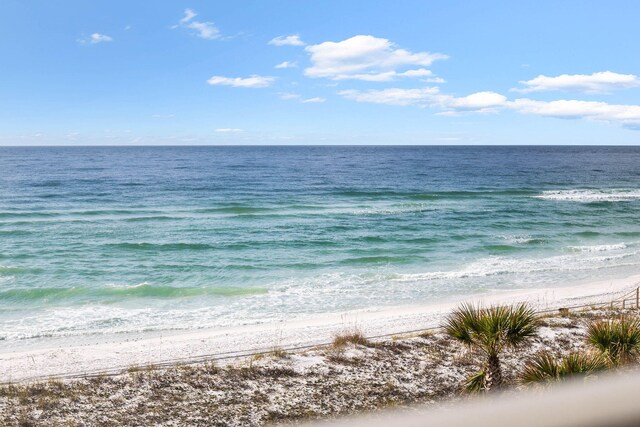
x=519 y=239
x=495 y=266
x=301 y=296
x=590 y=196
x=7 y=279
x=598 y=248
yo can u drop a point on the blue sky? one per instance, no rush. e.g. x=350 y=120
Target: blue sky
x=324 y=72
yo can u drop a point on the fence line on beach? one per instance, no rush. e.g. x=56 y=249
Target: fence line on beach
x=620 y=302
x=631 y=297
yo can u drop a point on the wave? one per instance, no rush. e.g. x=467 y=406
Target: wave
x=10 y=269
x=628 y=233
x=75 y=213
x=598 y=248
x=522 y=239
x=144 y=246
x=496 y=266
x=434 y=195
x=590 y=196
x=239 y=210
x=47 y=184
x=142 y=290
x=379 y=260
x=588 y=233
x=501 y=248
x=32 y=214
x=405 y=208
x=152 y=218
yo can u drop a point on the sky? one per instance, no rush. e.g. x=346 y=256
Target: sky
x=319 y=72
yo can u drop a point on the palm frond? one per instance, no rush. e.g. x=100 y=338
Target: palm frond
x=476 y=382
x=542 y=368
x=490 y=330
x=462 y=324
x=582 y=364
x=617 y=339
x=545 y=368
x=523 y=324
x=600 y=335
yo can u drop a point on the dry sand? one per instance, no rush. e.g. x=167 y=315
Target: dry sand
x=71 y=357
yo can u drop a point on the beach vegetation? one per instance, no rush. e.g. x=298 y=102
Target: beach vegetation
x=491 y=331
x=354 y=337
x=545 y=368
x=617 y=339
x=279 y=353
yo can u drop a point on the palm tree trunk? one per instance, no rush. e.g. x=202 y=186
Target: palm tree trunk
x=493 y=380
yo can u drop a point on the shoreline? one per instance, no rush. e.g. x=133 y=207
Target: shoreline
x=110 y=355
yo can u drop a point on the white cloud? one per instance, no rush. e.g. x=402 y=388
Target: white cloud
x=601 y=82
x=286 y=64
x=289 y=96
x=253 y=81
x=189 y=14
x=489 y=102
x=292 y=40
x=480 y=102
x=387 y=76
x=366 y=58
x=420 y=72
x=393 y=96
x=315 y=100
x=96 y=38
x=205 y=30
x=229 y=130
x=625 y=115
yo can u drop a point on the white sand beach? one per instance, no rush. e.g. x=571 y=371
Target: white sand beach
x=112 y=354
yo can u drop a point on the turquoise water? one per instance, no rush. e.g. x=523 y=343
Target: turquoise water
x=103 y=240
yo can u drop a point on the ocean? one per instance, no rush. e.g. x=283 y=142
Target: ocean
x=112 y=240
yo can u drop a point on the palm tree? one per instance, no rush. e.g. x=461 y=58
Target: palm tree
x=618 y=340
x=544 y=367
x=491 y=330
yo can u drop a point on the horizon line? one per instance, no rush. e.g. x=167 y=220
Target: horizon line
x=310 y=145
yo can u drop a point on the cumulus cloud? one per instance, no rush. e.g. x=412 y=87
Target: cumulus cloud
x=286 y=64
x=625 y=115
x=489 y=102
x=369 y=58
x=480 y=102
x=253 y=81
x=292 y=40
x=205 y=30
x=601 y=82
x=96 y=38
x=420 y=72
x=434 y=80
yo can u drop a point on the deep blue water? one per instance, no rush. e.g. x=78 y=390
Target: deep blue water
x=122 y=239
